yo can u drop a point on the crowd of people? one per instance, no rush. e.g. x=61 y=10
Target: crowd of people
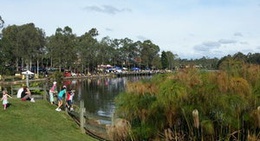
x=68 y=94
x=24 y=94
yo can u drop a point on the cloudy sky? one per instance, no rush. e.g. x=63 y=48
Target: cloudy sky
x=188 y=28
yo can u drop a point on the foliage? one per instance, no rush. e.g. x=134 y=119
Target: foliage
x=62 y=48
x=148 y=52
x=26 y=46
x=164 y=60
x=57 y=76
x=225 y=101
x=21 y=45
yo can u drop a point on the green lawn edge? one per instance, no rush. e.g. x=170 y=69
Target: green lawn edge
x=28 y=121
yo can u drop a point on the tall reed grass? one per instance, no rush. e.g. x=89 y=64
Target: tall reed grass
x=195 y=105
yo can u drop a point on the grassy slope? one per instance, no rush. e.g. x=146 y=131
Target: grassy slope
x=37 y=122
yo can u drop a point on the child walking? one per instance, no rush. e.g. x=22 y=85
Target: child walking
x=5 y=99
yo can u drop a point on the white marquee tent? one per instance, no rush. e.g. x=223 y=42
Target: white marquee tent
x=27 y=72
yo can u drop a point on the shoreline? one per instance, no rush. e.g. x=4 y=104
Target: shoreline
x=48 y=79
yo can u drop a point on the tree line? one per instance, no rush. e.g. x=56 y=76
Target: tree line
x=26 y=46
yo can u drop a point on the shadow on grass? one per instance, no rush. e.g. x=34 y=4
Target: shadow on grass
x=8 y=105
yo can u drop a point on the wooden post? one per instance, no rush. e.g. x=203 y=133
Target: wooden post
x=113 y=118
x=27 y=77
x=45 y=92
x=81 y=114
x=12 y=90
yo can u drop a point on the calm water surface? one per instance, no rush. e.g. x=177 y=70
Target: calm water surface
x=99 y=93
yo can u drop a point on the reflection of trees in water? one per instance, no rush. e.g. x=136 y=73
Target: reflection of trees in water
x=99 y=94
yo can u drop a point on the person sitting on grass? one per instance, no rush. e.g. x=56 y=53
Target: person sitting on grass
x=5 y=99
x=60 y=97
x=26 y=94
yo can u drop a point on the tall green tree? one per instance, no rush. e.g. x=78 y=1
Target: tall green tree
x=164 y=60
x=35 y=42
x=106 y=52
x=87 y=48
x=62 y=48
x=128 y=51
x=23 y=43
x=170 y=58
x=10 y=49
x=148 y=52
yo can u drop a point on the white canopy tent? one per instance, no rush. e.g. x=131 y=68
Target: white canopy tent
x=27 y=72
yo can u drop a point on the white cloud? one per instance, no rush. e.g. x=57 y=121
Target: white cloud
x=238 y=34
x=109 y=9
x=227 y=41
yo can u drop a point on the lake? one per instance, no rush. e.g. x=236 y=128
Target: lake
x=99 y=93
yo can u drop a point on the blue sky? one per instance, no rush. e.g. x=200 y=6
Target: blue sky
x=188 y=28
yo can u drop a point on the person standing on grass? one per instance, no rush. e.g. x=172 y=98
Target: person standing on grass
x=52 y=91
x=5 y=99
x=69 y=99
x=60 y=98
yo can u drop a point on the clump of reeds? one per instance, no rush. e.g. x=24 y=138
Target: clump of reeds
x=222 y=81
x=141 y=88
x=221 y=96
x=240 y=86
x=119 y=131
x=189 y=77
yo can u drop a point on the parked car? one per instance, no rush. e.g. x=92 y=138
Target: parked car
x=135 y=69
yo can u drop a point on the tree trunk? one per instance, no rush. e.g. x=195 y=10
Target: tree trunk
x=16 y=64
x=37 y=64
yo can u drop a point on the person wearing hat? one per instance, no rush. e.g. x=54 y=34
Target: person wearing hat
x=60 y=97
x=52 y=91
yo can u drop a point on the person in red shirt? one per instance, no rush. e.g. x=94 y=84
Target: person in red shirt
x=69 y=99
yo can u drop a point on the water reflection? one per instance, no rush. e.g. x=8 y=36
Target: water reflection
x=99 y=93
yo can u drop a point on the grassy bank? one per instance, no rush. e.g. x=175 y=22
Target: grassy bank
x=37 y=122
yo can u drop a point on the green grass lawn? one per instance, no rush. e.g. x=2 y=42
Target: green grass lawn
x=27 y=121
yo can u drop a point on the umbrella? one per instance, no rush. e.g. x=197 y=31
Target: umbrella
x=27 y=72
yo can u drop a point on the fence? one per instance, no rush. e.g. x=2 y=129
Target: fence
x=87 y=124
